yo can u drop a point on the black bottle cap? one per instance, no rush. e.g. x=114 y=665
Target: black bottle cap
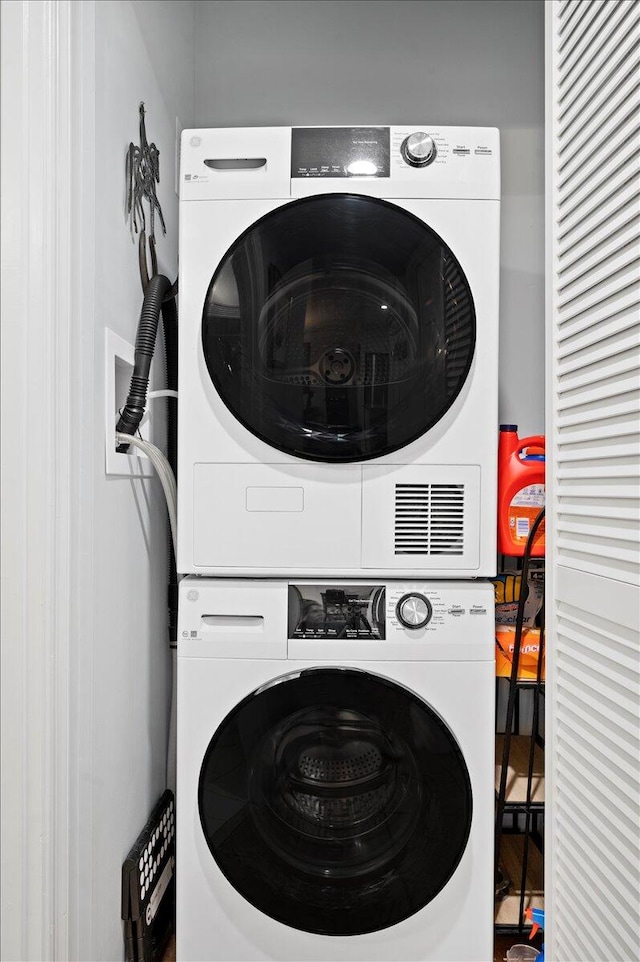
x=508 y=427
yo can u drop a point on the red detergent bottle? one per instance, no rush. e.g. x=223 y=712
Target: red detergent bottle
x=521 y=467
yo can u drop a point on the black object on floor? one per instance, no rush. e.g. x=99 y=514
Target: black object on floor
x=148 y=886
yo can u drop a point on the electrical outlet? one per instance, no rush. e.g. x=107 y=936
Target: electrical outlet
x=119 y=360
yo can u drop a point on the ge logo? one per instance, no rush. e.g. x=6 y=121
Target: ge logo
x=185 y=634
x=195 y=141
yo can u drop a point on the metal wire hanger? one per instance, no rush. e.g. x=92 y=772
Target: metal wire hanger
x=142 y=175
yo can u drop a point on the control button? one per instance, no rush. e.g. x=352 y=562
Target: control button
x=414 y=611
x=418 y=149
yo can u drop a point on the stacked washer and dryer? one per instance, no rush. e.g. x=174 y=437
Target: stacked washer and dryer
x=337 y=514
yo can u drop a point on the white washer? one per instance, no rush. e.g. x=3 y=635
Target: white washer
x=335 y=771
x=339 y=351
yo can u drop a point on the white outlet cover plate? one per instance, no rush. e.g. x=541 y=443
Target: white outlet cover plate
x=117 y=350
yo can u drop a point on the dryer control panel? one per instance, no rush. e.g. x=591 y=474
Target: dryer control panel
x=337 y=152
x=421 y=160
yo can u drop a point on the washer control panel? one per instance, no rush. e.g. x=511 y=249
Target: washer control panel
x=378 y=612
x=336 y=620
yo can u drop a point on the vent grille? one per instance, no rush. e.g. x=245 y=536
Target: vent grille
x=429 y=519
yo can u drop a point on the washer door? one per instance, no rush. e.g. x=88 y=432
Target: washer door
x=339 y=328
x=335 y=801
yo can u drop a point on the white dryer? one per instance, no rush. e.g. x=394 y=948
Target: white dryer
x=335 y=771
x=338 y=369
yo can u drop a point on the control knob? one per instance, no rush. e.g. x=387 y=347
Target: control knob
x=414 y=610
x=418 y=149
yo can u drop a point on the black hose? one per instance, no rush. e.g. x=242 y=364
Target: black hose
x=170 y=325
x=133 y=411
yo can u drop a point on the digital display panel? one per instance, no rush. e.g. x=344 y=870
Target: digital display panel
x=337 y=611
x=340 y=152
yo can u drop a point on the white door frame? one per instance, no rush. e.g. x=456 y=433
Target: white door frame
x=47 y=363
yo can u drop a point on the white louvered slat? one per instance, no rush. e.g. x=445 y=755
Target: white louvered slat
x=603 y=390
x=573 y=93
x=596 y=225
x=574 y=15
x=570 y=879
x=584 y=689
x=597 y=313
x=619 y=324
x=621 y=427
x=585 y=710
x=582 y=370
x=612 y=172
x=601 y=24
x=600 y=947
x=597 y=751
x=618 y=181
x=612 y=267
x=597 y=100
x=585 y=259
x=615 y=292
x=618 y=355
x=593 y=852
x=608 y=399
x=619 y=106
x=592 y=888
x=594 y=491
x=623 y=447
x=613 y=73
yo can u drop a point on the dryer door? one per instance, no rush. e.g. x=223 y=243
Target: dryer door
x=335 y=801
x=339 y=328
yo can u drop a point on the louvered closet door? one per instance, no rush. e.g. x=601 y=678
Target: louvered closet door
x=593 y=756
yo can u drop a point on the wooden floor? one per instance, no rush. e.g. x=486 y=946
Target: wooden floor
x=503 y=942
x=511 y=851
x=170 y=954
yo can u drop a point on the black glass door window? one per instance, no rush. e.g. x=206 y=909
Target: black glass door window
x=339 y=328
x=335 y=801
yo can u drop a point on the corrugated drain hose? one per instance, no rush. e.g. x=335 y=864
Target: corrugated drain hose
x=133 y=411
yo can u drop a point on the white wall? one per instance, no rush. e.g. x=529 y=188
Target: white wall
x=144 y=51
x=454 y=62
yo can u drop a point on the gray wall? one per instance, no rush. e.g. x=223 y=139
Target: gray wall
x=423 y=61
x=143 y=51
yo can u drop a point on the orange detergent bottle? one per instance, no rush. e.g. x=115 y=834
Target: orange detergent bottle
x=521 y=464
